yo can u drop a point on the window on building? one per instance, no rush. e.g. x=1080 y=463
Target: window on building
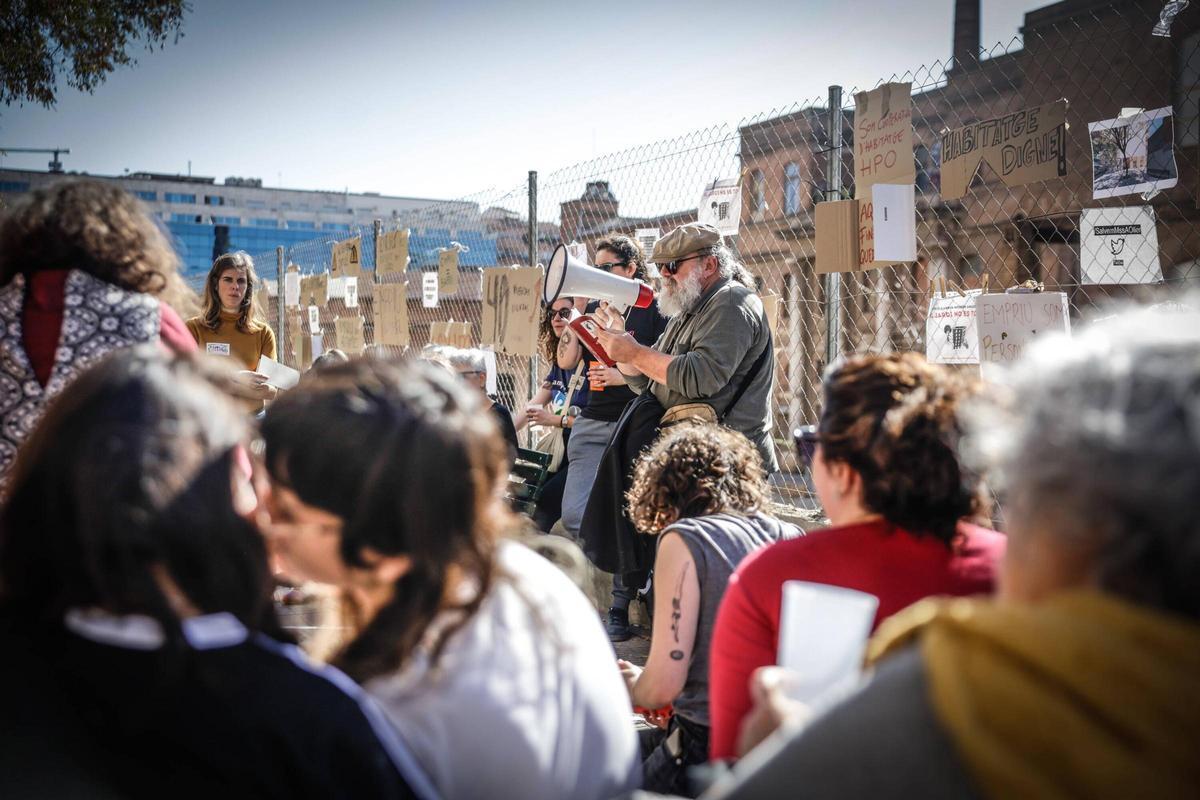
x=333 y=226
x=255 y=204
x=335 y=209
x=214 y=200
x=758 y=192
x=1187 y=93
x=14 y=186
x=263 y=222
x=175 y=197
x=227 y=220
x=193 y=219
x=791 y=188
x=299 y=224
x=149 y=197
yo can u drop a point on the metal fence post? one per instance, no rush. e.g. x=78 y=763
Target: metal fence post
x=280 y=301
x=534 y=383
x=378 y=229
x=833 y=191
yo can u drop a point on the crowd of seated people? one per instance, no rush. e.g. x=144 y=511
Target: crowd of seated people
x=143 y=513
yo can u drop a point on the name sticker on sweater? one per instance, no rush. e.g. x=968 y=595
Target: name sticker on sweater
x=218 y=348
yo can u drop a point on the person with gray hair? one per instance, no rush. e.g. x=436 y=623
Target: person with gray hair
x=1080 y=679
x=470 y=364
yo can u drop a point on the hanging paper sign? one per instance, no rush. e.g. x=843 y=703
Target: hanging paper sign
x=347 y=257
x=721 y=206
x=314 y=290
x=336 y=289
x=578 y=251
x=647 y=237
x=392 y=252
x=1022 y=147
x=391 y=314
x=511 y=309
x=951 y=333
x=316 y=343
x=447 y=273
x=1008 y=323
x=895 y=218
x=429 y=290
x=351 y=292
x=301 y=350
x=1119 y=245
x=350 y=335
x=883 y=153
x=1134 y=154
x=314 y=318
x=291 y=288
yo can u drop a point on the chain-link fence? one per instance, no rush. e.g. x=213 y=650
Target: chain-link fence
x=1100 y=57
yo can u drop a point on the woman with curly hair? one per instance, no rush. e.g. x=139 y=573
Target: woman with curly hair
x=887 y=472
x=231 y=325
x=703 y=490
x=387 y=481
x=84 y=271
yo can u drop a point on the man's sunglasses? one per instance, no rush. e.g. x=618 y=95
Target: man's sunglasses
x=806 y=439
x=562 y=313
x=672 y=267
x=608 y=266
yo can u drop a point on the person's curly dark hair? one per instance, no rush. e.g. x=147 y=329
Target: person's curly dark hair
x=90 y=226
x=693 y=470
x=629 y=250
x=894 y=419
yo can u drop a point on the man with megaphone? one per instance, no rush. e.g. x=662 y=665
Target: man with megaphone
x=714 y=361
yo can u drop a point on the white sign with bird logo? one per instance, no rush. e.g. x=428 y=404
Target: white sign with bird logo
x=1119 y=245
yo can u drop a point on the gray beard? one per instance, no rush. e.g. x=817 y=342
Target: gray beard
x=679 y=297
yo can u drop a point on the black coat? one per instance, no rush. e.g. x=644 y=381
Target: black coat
x=609 y=538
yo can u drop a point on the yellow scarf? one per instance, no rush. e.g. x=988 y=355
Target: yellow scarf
x=1084 y=695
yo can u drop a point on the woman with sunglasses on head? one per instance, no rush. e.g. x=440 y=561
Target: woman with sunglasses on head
x=142 y=656
x=549 y=408
x=387 y=481
x=886 y=468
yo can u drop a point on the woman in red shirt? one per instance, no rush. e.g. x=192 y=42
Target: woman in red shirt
x=886 y=469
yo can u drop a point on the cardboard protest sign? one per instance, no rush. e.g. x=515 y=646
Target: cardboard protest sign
x=392 y=252
x=1008 y=323
x=770 y=303
x=451 y=333
x=837 y=236
x=511 y=306
x=391 y=314
x=1119 y=245
x=314 y=290
x=350 y=335
x=721 y=206
x=1021 y=147
x=883 y=153
x=429 y=290
x=347 y=257
x=1133 y=154
x=305 y=348
x=951 y=333
x=447 y=273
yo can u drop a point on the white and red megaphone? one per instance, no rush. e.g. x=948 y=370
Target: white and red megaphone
x=569 y=277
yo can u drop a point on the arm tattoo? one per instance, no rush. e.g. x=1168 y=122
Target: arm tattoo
x=564 y=342
x=677 y=612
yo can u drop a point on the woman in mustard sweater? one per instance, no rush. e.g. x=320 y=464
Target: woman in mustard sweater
x=230 y=326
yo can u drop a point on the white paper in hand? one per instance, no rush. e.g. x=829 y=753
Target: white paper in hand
x=278 y=375
x=823 y=634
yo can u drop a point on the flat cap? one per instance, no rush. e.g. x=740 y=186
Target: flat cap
x=685 y=240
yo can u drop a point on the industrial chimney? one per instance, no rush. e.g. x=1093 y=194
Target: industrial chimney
x=966 y=33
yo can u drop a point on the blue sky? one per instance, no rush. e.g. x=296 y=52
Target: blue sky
x=447 y=99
